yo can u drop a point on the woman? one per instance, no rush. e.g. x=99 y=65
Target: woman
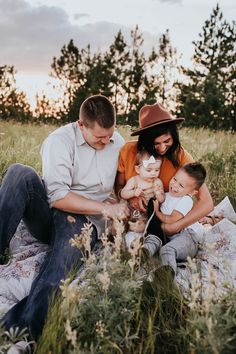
x=158 y=135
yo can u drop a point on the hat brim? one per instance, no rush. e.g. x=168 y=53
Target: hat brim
x=175 y=120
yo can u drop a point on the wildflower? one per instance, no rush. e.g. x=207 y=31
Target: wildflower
x=77 y=241
x=83 y=240
x=104 y=279
x=119 y=238
x=106 y=244
x=100 y=328
x=71 y=335
x=209 y=323
x=70 y=294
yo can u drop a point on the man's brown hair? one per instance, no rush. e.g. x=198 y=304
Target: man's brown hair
x=98 y=109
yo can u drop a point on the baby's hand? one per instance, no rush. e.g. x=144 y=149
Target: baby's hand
x=158 y=186
x=138 y=192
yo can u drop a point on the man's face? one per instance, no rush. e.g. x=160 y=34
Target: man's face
x=97 y=137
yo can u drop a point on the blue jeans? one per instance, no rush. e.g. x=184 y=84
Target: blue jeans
x=23 y=196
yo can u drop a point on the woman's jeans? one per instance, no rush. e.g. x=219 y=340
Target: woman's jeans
x=23 y=196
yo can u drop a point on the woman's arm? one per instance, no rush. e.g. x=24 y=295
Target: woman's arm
x=203 y=206
x=169 y=219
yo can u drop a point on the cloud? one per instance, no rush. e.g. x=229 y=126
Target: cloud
x=170 y=1
x=81 y=15
x=34 y=35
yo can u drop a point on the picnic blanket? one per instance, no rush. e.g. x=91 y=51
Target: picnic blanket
x=218 y=252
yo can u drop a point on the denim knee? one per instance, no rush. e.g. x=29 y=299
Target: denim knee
x=16 y=173
x=66 y=226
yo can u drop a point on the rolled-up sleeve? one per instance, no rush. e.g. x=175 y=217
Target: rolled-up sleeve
x=57 y=161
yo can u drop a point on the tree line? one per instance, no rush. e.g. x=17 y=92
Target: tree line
x=204 y=94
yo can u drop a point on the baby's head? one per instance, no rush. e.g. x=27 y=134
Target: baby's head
x=187 y=180
x=147 y=167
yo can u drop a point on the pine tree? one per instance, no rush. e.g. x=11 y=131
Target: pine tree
x=168 y=72
x=208 y=98
x=71 y=68
x=13 y=103
x=136 y=77
x=82 y=73
x=164 y=71
x=117 y=59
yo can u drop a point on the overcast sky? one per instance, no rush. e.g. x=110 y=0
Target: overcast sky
x=32 y=32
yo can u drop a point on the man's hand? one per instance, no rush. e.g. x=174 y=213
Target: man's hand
x=138 y=203
x=118 y=210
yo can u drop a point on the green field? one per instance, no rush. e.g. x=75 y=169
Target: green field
x=217 y=150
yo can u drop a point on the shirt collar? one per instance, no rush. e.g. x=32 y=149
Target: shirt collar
x=78 y=135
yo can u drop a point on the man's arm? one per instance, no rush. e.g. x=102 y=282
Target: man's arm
x=57 y=161
x=80 y=205
x=203 y=206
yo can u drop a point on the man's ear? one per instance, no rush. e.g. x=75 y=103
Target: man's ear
x=81 y=124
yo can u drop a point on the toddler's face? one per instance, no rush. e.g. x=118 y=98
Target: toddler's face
x=181 y=184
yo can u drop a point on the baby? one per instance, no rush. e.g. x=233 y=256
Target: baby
x=146 y=184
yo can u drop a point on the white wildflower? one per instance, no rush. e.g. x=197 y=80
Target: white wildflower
x=100 y=328
x=104 y=279
x=71 y=335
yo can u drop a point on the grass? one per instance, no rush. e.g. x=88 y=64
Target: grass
x=216 y=150
x=21 y=143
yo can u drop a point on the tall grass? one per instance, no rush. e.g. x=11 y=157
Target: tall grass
x=21 y=143
x=216 y=150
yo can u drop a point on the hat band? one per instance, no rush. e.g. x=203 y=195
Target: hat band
x=161 y=121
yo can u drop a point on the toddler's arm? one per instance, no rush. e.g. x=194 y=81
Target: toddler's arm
x=167 y=219
x=159 y=190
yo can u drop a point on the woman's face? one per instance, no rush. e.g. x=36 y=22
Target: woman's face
x=163 y=143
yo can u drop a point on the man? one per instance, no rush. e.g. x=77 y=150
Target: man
x=79 y=168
